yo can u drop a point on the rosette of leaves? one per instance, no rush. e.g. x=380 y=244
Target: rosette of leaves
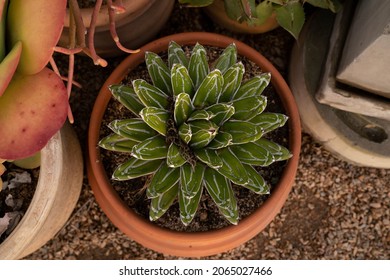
x=198 y=127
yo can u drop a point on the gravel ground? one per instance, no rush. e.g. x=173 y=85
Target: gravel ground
x=336 y=210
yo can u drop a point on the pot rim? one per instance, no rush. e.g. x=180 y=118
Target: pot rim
x=193 y=244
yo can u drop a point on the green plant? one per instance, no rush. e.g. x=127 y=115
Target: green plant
x=33 y=98
x=290 y=14
x=196 y=126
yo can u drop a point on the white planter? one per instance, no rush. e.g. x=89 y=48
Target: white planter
x=56 y=195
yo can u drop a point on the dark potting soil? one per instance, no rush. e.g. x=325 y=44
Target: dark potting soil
x=21 y=195
x=208 y=217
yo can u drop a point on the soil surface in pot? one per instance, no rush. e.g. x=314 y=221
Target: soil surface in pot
x=133 y=192
x=15 y=197
x=87 y=3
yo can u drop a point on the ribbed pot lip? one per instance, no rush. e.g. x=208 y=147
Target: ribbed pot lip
x=190 y=244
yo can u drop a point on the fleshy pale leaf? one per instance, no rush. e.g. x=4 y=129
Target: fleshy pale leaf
x=191 y=179
x=189 y=206
x=291 y=17
x=253 y=154
x=256 y=182
x=198 y=66
x=232 y=167
x=278 y=152
x=227 y=59
x=156 y=118
x=222 y=194
x=8 y=66
x=232 y=82
x=202 y=133
x=117 y=143
x=182 y=109
x=209 y=157
x=181 y=80
x=150 y=95
x=263 y=12
x=160 y=204
x=253 y=87
x=25 y=126
x=242 y=132
x=269 y=121
x=249 y=107
x=158 y=72
x=134 y=129
x=127 y=97
x=176 y=55
x=150 y=149
x=174 y=157
x=185 y=133
x=222 y=112
x=27 y=21
x=209 y=90
x=164 y=179
x=134 y=168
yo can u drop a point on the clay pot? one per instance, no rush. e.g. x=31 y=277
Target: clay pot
x=136 y=26
x=185 y=243
x=58 y=189
x=216 y=11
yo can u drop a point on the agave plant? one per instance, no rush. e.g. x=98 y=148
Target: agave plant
x=196 y=126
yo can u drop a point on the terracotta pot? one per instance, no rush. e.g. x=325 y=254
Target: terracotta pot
x=217 y=13
x=183 y=243
x=135 y=27
x=58 y=189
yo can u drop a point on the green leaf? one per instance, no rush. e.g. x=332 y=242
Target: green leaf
x=232 y=167
x=235 y=10
x=202 y=133
x=117 y=143
x=181 y=80
x=209 y=90
x=253 y=86
x=183 y=108
x=222 y=140
x=227 y=59
x=164 y=179
x=127 y=97
x=176 y=55
x=134 y=129
x=232 y=82
x=196 y=3
x=135 y=168
x=269 y=121
x=156 y=118
x=185 y=133
x=263 y=11
x=160 y=204
x=253 y=154
x=222 y=112
x=249 y=107
x=158 y=72
x=333 y=5
x=150 y=149
x=150 y=95
x=209 y=157
x=256 y=182
x=291 y=17
x=242 y=132
x=188 y=206
x=222 y=194
x=191 y=179
x=174 y=157
x=278 y=152
x=201 y=115
x=198 y=67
